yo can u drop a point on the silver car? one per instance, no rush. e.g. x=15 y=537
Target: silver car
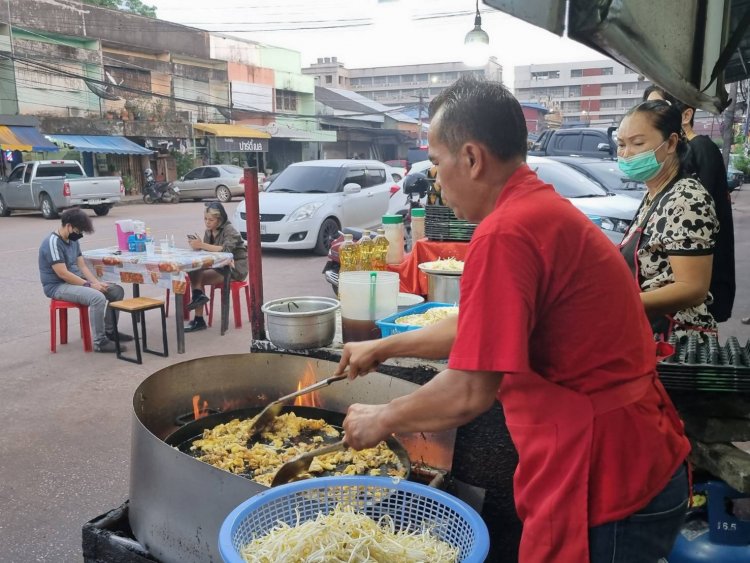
x=220 y=181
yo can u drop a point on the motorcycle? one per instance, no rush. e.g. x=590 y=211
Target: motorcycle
x=416 y=187
x=155 y=192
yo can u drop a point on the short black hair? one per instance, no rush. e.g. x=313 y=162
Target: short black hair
x=77 y=218
x=667 y=97
x=654 y=88
x=667 y=118
x=485 y=111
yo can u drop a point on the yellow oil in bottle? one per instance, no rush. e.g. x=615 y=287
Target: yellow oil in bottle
x=348 y=255
x=379 y=251
x=365 y=247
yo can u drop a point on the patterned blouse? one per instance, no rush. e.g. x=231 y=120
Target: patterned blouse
x=683 y=223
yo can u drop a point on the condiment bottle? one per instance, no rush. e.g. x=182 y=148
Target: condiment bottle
x=364 y=250
x=393 y=225
x=379 y=251
x=348 y=255
x=417 y=224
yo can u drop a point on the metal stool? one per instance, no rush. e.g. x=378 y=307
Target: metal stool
x=137 y=308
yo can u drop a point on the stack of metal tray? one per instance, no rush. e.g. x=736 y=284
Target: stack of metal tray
x=700 y=363
x=443 y=225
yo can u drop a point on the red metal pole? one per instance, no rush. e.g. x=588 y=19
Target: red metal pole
x=254 y=260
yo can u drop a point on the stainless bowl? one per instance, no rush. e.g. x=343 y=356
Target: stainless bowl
x=299 y=323
x=443 y=288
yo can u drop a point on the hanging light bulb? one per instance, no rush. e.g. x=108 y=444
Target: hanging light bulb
x=477 y=43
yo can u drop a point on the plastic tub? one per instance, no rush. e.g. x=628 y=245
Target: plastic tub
x=408 y=300
x=389 y=326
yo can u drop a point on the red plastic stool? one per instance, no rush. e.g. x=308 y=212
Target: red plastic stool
x=234 y=287
x=185 y=300
x=62 y=308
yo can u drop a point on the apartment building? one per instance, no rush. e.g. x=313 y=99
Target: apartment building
x=397 y=85
x=596 y=93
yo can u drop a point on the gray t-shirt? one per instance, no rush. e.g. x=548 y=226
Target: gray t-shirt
x=54 y=250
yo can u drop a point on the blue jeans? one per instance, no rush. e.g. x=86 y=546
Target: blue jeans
x=647 y=535
x=101 y=317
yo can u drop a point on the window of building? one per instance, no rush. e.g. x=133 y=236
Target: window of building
x=610 y=90
x=629 y=87
x=545 y=75
x=341 y=79
x=571 y=106
x=421 y=77
x=286 y=100
x=608 y=104
x=574 y=91
x=556 y=92
x=407 y=78
x=365 y=81
x=576 y=73
x=607 y=71
x=379 y=80
x=329 y=79
x=629 y=71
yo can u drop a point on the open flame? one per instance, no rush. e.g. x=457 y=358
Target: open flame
x=308 y=378
x=199 y=411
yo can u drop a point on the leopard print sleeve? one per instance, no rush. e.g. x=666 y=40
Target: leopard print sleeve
x=687 y=220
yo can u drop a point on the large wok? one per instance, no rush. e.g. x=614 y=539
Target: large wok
x=184 y=437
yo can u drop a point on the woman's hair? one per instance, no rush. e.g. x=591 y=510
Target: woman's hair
x=216 y=209
x=669 y=98
x=667 y=119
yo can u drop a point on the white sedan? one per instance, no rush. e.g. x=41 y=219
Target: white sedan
x=309 y=202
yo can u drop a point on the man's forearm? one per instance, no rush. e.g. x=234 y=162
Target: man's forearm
x=432 y=342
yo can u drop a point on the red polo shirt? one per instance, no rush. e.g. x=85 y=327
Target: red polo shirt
x=544 y=290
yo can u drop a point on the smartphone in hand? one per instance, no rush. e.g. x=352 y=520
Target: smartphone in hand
x=192 y=237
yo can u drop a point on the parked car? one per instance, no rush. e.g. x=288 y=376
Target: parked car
x=606 y=173
x=588 y=195
x=735 y=177
x=616 y=211
x=220 y=181
x=309 y=202
x=53 y=185
x=593 y=142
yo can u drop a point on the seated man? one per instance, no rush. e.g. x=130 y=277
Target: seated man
x=65 y=276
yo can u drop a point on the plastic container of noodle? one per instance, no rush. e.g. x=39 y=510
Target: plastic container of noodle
x=415 y=317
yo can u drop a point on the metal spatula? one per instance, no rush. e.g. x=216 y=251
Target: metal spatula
x=293 y=468
x=272 y=410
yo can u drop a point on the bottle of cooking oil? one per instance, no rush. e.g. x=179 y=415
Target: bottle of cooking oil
x=365 y=248
x=379 y=251
x=348 y=255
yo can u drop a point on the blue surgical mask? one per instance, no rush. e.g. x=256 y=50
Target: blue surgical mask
x=641 y=167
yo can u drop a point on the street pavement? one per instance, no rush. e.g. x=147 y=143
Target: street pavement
x=65 y=439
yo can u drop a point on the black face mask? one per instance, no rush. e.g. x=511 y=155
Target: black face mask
x=75 y=236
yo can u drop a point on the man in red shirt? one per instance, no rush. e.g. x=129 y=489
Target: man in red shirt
x=551 y=325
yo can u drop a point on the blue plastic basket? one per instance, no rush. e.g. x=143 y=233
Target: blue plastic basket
x=388 y=325
x=410 y=505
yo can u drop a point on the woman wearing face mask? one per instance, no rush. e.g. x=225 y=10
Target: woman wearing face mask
x=669 y=246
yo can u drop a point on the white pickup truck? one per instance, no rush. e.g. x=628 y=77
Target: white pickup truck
x=52 y=185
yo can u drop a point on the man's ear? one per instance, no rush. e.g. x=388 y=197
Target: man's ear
x=474 y=158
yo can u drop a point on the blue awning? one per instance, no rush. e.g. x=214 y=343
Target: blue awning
x=22 y=138
x=100 y=144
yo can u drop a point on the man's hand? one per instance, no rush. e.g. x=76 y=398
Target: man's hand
x=99 y=286
x=360 y=357
x=364 y=426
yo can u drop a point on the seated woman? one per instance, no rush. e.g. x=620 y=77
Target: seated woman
x=669 y=246
x=220 y=236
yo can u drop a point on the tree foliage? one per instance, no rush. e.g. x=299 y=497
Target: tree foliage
x=132 y=6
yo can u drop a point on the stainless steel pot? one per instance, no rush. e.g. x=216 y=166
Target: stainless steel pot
x=299 y=323
x=443 y=288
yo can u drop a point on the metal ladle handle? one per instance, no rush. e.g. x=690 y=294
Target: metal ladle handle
x=311 y=388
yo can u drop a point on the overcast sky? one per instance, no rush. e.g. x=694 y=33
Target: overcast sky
x=375 y=33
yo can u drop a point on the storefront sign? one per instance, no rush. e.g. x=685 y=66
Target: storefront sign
x=230 y=144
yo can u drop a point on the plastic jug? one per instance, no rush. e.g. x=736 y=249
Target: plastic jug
x=366 y=297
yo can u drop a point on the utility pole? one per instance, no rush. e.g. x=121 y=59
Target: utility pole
x=421 y=102
x=728 y=134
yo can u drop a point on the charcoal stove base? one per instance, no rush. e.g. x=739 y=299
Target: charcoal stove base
x=109 y=539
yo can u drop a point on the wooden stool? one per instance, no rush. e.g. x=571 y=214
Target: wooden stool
x=234 y=287
x=137 y=308
x=62 y=310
